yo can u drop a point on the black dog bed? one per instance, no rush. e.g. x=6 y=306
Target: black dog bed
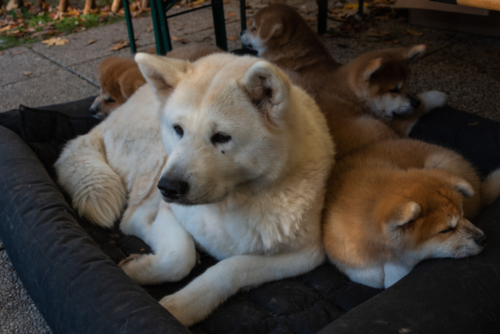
x=69 y=266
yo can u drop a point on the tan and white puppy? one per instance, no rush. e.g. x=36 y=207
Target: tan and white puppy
x=369 y=88
x=395 y=203
x=248 y=158
x=120 y=77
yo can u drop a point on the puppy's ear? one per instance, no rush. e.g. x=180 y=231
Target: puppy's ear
x=458 y=184
x=268 y=89
x=374 y=66
x=129 y=87
x=161 y=72
x=270 y=29
x=401 y=214
x=414 y=52
x=463 y=187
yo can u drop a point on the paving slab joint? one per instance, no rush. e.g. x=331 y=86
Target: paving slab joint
x=83 y=77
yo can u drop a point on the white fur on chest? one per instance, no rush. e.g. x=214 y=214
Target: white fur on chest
x=258 y=226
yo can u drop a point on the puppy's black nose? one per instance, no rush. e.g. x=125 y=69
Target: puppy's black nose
x=481 y=241
x=93 y=110
x=173 y=189
x=415 y=103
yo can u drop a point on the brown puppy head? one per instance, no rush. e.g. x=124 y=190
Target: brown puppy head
x=273 y=26
x=119 y=79
x=423 y=217
x=379 y=80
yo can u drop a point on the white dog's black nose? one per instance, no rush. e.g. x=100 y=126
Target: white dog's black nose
x=173 y=189
x=481 y=241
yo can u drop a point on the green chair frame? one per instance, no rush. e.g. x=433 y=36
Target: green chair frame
x=159 y=8
x=163 y=41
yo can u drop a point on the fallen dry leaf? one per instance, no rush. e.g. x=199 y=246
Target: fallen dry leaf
x=119 y=45
x=197 y=2
x=8 y=27
x=15 y=53
x=394 y=41
x=149 y=29
x=414 y=32
x=28 y=73
x=378 y=34
x=313 y=19
x=231 y=38
x=180 y=40
x=91 y=41
x=152 y=50
x=472 y=124
x=230 y=14
x=2 y=53
x=72 y=12
x=57 y=41
x=54 y=15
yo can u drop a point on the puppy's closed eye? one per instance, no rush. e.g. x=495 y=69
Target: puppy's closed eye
x=449 y=229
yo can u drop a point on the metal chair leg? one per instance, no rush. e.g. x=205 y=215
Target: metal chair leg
x=243 y=14
x=160 y=47
x=219 y=24
x=130 y=27
x=164 y=25
x=360 y=7
x=322 y=16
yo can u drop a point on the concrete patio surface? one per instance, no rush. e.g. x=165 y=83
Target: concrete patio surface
x=466 y=67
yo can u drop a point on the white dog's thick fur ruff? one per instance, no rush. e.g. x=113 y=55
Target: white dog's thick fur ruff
x=254 y=202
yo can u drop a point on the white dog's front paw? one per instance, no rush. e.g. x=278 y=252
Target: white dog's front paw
x=433 y=99
x=134 y=267
x=183 y=312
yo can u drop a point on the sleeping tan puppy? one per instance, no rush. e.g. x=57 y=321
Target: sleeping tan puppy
x=369 y=88
x=395 y=203
x=120 y=77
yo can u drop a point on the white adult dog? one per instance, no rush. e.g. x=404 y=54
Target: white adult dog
x=248 y=157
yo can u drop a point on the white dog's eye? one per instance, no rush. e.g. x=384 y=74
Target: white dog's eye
x=178 y=130
x=395 y=90
x=110 y=100
x=220 y=138
x=253 y=29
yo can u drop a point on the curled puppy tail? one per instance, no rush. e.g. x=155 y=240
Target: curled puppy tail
x=490 y=188
x=432 y=99
x=97 y=191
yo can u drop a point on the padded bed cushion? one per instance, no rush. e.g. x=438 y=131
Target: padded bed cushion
x=69 y=266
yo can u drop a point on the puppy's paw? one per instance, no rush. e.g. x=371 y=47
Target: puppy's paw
x=133 y=267
x=128 y=259
x=180 y=310
x=433 y=99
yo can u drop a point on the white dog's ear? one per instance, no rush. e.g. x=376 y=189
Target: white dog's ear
x=414 y=52
x=373 y=67
x=402 y=214
x=268 y=89
x=161 y=72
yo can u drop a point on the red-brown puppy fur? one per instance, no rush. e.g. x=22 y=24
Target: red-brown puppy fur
x=395 y=203
x=121 y=77
x=354 y=96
